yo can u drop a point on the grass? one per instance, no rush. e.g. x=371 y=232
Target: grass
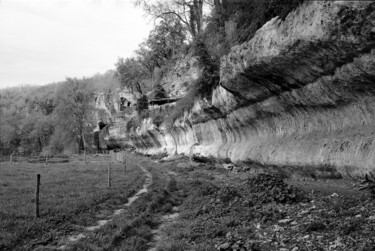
x=223 y=208
x=70 y=195
x=216 y=207
x=133 y=229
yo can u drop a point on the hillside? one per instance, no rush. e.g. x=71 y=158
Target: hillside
x=298 y=95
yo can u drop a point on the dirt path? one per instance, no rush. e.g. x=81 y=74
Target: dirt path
x=166 y=221
x=67 y=242
x=220 y=211
x=102 y=222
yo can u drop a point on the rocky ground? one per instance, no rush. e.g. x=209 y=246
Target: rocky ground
x=226 y=210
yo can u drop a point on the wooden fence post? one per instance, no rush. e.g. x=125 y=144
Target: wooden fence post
x=37 y=196
x=109 y=174
x=11 y=158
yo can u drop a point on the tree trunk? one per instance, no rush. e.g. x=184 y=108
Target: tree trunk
x=198 y=9
x=220 y=10
x=192 y=22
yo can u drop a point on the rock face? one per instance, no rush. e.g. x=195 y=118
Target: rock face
x=301 y=94
x=110 y=104
x=112 y=109
x=179 y=78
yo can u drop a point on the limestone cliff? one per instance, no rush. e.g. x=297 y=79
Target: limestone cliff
x=179 y=78
x=301 y=94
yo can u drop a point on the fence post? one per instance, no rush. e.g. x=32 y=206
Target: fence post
x=37 y=196
x=109 y=174
x=84 y=155
x=11 y=158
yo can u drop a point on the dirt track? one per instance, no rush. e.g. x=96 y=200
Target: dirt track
x=221 y=211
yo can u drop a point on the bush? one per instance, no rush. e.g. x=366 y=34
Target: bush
x=142 y=104
x=271 y=187
x=227 y=194
x=203 y=188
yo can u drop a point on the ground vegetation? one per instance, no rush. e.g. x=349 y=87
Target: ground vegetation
x=189 y=206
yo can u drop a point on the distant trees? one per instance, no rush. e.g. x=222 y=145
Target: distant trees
x=73 y=114
x=9 y=138
x=25 y=126
x=130 y=71
x=105 y=82
x=59 y=115
x=36 y=133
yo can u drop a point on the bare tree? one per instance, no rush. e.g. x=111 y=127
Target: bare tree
x=188 y=12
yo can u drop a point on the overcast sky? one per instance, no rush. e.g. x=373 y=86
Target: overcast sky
x=44 y=41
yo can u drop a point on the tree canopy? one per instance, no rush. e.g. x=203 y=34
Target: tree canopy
x=73 y=113
x=188 y=12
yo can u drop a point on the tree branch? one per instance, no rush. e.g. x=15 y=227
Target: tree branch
x=174 y=13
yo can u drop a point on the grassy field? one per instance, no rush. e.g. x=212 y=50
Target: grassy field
x=218 y=209
x=71 y=194
x=132 y=230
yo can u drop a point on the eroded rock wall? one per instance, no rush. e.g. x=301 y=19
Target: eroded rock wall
x=179 y=78
x=300 y=93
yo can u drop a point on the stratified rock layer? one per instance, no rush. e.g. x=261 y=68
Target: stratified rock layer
x=301 y=93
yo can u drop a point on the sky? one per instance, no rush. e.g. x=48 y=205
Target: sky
x=45 y=41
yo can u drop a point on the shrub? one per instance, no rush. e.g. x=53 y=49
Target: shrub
x=204 y=188
x=271 y=187
x=142 y=104
x=227 y=194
